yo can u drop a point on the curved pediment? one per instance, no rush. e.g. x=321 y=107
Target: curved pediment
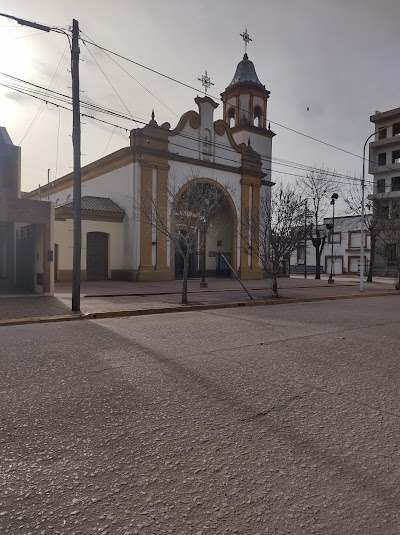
x=222 y=128
x=191 y=117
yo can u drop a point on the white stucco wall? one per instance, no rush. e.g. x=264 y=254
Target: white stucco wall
x=63 y=231
x=118 y=186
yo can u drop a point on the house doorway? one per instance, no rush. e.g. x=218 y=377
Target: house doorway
x=97 y=256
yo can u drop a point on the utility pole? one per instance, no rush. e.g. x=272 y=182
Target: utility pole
x=305 y=240
x=48 y=184
x=76 y=140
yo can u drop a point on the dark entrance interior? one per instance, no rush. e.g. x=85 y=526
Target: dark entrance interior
x=195 y=265
x=97 y=256
x=25 y=258
x=222 y=270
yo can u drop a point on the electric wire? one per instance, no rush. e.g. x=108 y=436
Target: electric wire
x=53 y=82
x=218 y=98
x=112 y=86
x=65 y=98
x=131 y=76
x=335 y=176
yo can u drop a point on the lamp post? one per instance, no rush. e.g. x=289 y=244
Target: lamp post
x=203 y=283
x=76 y=141
x=334 y=198
x=305 y=238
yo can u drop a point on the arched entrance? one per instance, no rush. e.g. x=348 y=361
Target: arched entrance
x=97 y=255
x=205 y=223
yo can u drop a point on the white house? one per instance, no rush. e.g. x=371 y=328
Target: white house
x=346 y=241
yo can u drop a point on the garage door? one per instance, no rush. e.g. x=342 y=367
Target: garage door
x=355 y=264
x=337 y=266
x=97 y=255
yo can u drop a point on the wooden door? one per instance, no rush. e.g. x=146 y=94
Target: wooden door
x=97 y=255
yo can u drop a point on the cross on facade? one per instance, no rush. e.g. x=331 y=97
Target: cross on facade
x=246 y=38
x=205 y=82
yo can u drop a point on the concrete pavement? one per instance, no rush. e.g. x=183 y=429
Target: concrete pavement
x=116 y=296
x=251 y=421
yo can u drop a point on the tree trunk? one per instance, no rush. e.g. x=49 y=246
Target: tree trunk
x=185 y=278
x=275 y=292
x=372 y=258
x=317 y=263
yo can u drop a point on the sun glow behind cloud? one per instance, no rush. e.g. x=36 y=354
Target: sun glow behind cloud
x=15 y=60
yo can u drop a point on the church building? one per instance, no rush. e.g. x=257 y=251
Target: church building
x=232 y=153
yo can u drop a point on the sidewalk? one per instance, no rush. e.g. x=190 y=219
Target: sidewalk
x=114 y=296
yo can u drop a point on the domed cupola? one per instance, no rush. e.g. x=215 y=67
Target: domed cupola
x=245 y=73
x=245 y=98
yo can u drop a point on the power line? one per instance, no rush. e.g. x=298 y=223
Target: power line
x=229 y=148
x=305 y=168
x=52 y=84
x=218 y=98
x=131 y=76
x=109 y=81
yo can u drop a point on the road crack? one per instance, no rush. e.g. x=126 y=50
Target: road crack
x=278 y=407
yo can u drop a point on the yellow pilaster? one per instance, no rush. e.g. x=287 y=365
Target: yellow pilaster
x=249 y=216
x=145 y=225
x=162 y=205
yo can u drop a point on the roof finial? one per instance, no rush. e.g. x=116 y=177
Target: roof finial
x=246 y=38
x=205 y=82
x=152 y=115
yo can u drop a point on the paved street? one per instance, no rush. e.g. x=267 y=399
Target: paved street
x=267 y=420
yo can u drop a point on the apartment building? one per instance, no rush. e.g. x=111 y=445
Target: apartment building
x=384 y=165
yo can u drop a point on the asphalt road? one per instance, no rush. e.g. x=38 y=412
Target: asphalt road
x=279 y=419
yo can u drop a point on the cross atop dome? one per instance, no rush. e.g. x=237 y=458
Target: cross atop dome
x=246 y=38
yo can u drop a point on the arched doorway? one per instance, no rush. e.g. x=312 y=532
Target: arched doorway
x=97 y=255
x=205 y=223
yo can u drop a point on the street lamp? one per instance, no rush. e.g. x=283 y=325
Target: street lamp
x=76 y=141
x=334 y=198
x=203 y=283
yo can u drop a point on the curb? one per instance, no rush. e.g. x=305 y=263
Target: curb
x=186 y=308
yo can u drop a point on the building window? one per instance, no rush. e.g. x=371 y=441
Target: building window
x=396 y=156
x=300 y=254
x=207 y=150
x=335 y=237
x=258 y=117
x=396 y=129
x=382 y=158
x=382 y=133
x=355 y=240
x=395 y=211
x=231 y=117
x=381 y=185
x=390 y=254
x=396 y=183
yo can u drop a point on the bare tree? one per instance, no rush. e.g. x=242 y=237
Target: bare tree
x=192 y=209
x=388 y=243
x=317 y=187
x=275 y=230
x=375 y=221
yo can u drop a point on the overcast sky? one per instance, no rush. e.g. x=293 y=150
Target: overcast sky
x=339 y=58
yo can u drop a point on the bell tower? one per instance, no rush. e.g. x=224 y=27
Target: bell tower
x=245 y=106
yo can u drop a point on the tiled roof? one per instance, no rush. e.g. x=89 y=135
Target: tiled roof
x=245 y=72
x=98 y=204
